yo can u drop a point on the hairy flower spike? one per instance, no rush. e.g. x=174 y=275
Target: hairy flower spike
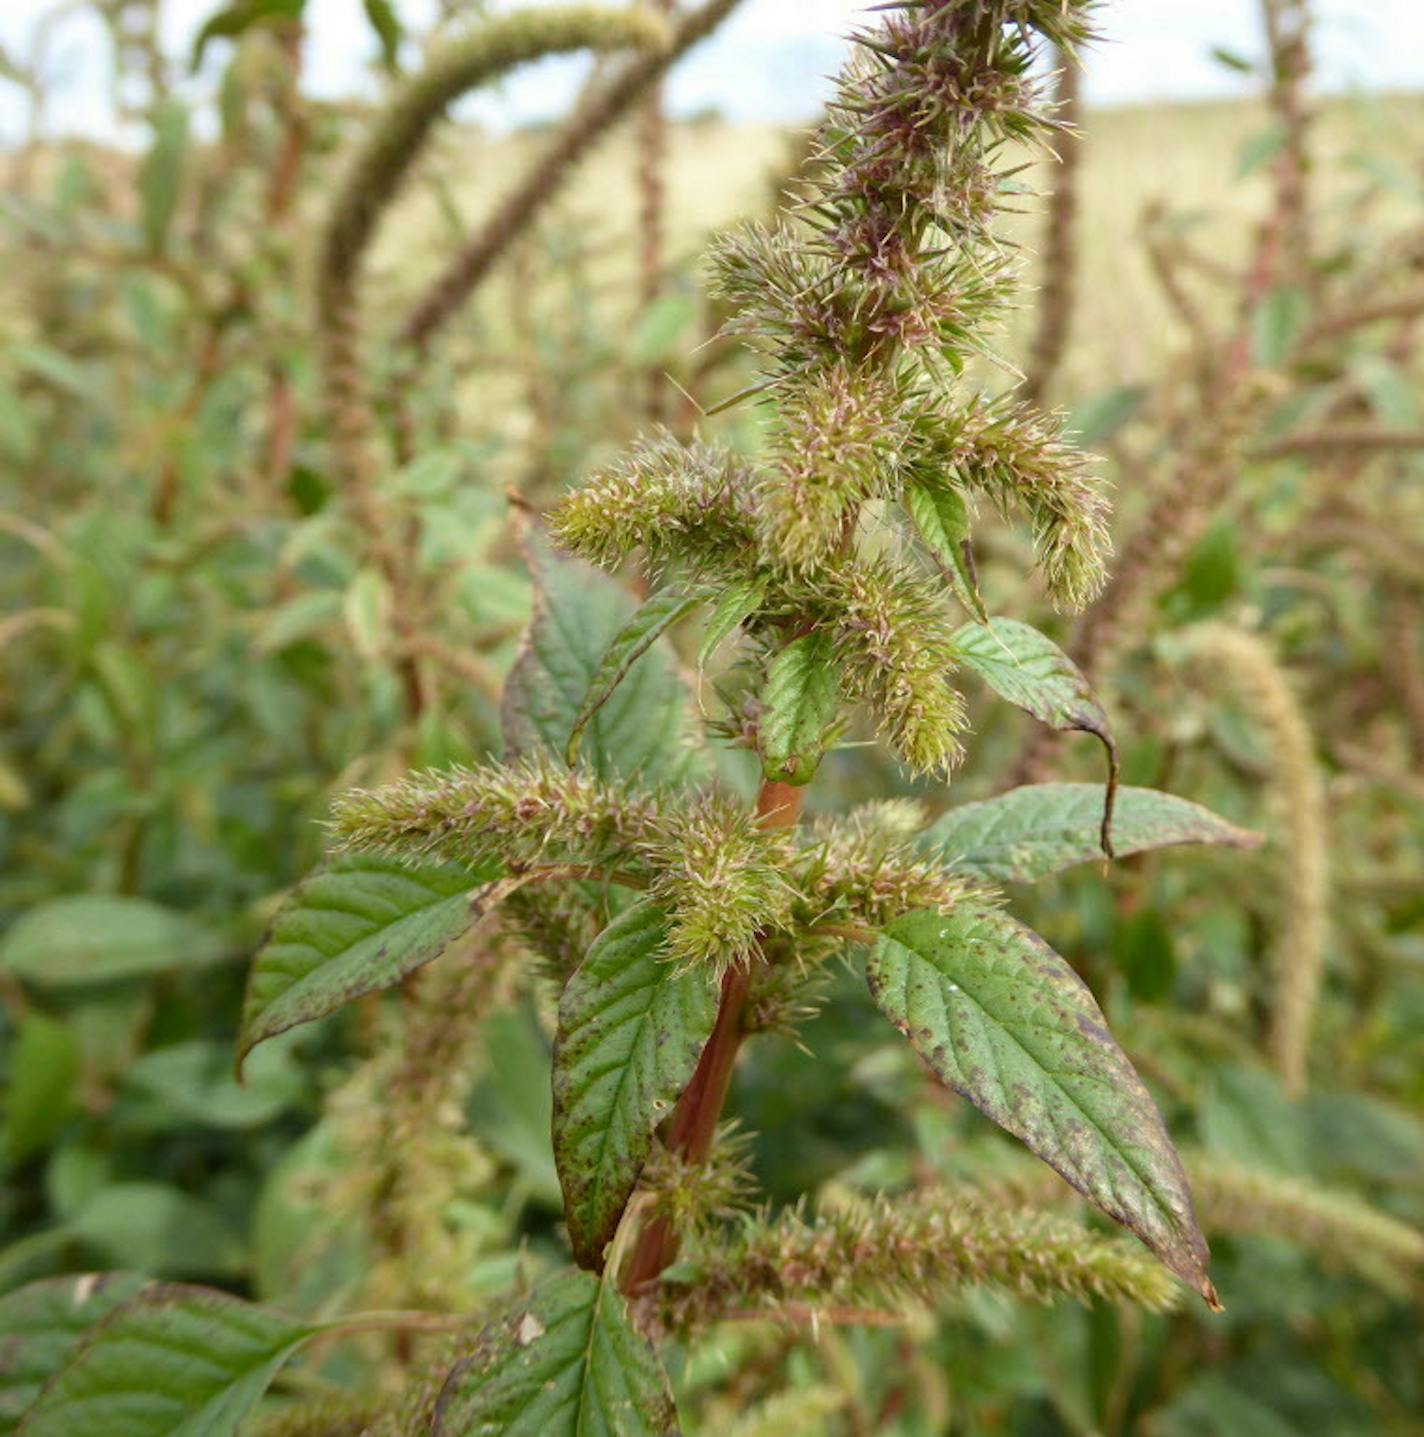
x=1338 y=1226
x=719 y=874
x=863 y=869
x=895 y=644
x=840 y=442
x=695 y=1195
x=534 y=812
x=916 y=1248
x=667 y=499
x=708 y=862
x=1017 y=458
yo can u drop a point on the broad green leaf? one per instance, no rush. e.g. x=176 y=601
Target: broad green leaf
x=43 y=1066
x=1260 y=148
x=310 y=1254
x=173 y=1362
x=631 y=1029
x=158 y=1229
x=48 y=1253
x=18 y=436
x=511 y=1109
x=645 y=731
x=1278 y=324
x=299 y=618
x=661 y=327
x=161 y=180
x=1100 y=416
x=193 y=1084
x=1210 y=1406
x=942 y=518
x=1043 y=828
x=565 y=1363
x=359 y=925
x=1390 y=386
x=367 y=607
x=234 y=19
x=653 y=619
x=739 y=602
x=98 y=938
x=1031 y=671
x=799 y=708
x=386 y=24
x=85 y=381
x=1007 y=1024
x=435 y=475
x=41 y=1324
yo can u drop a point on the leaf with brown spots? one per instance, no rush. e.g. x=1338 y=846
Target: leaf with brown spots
x=174 y=1360
x=632 y=1026
x=565 y=1363
x=1007 y=1024
x=357 y=926
x=41 y=1324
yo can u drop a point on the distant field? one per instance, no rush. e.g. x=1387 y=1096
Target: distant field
x=1189 y=156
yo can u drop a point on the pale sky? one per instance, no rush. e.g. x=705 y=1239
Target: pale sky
x=769 y=62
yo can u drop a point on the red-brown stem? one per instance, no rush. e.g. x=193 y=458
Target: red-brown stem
x=693 y=1125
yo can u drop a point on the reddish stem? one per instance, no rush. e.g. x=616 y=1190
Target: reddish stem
x=693 y=1125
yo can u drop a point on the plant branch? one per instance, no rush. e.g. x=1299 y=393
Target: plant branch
x=693 y=1125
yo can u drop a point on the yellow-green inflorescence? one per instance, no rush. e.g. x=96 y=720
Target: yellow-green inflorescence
x=865 y=306
x=725 y=881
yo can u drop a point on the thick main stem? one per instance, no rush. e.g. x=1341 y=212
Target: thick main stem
x=693 y=1125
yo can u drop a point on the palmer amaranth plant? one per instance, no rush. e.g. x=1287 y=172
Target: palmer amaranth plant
x=678 y=919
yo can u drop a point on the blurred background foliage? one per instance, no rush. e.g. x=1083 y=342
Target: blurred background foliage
x=200 y=643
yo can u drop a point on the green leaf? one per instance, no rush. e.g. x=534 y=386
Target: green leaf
x=1260 y=149
x=1043 y=828
x=158 y=1229
x=86 y=382
x=1031 y=671
x=631 y=1029
x=1232 y=60
x=1143 y=949
x=565 y=1363
x=18 y=435
x=644 y=731
x=740 y=601
x=192 y=1084
x=161 y=180
x=653 y=619
x=1277 y=325
x=173 y=1362
x=359 y=925
x=1101 y=415
x=41 y=1324
x=511 y=1109
x=942 y=518
x=799 y=708
x=97 y=938
x=367 y=606
x=387 y=25
x=1211 y=1407
x=1007 y=1024
x=299 y=618
x=661 y=327
x=235 y=19
x=43 y=1067
x=435 y=475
